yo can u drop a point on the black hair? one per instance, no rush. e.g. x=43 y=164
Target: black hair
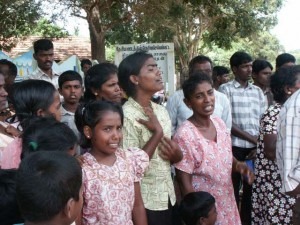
x=9 y=210
x=90 y=114
x=283 y=77
x=42 y=45
x=96 y=76
x=200 y=59
x=85 y=62
x=69 y=75
x=284 y=58
x=45 y=183
x=220 y=70
x=30 y=96
x=47 y=134
x=260 y=64
x=131 y=65
x=13 y=71
x=196 y=205
x=239 y=58
x=192 y=82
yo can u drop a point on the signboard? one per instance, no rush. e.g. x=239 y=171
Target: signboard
x=163 y=54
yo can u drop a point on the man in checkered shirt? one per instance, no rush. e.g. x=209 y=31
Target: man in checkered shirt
x=247 y=105
x=288 y=150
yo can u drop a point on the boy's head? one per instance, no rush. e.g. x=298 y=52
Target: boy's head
x=9 y=210
x=220 y=75
x=285 y=59
x=70 y=86
x=85 y=65
x=198 y=208
x=241 y=65
x=49 y=187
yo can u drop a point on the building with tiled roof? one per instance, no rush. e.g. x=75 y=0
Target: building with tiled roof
x=63 y=47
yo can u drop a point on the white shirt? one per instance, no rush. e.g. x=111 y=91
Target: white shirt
x=179 y=112
x=38 y=74
x=288 y=143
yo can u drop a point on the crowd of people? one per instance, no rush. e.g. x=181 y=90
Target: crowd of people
x=98 y=150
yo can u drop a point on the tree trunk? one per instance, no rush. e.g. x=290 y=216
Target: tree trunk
x=97 y=43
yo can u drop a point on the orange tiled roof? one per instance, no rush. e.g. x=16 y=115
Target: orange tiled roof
x=63 y=47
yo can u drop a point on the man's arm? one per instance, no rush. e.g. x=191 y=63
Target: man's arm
x=238 y=132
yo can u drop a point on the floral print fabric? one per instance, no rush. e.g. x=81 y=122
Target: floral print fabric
x=269 y=205
x=210 y=164
x=108 y=191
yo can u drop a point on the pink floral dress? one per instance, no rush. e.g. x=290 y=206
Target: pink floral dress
x=108 y=191
x=210 y=164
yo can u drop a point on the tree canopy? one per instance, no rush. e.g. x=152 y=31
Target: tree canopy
x=17 y=20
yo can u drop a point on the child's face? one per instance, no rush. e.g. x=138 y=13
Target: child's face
x=71 y=91
x=107 y=134
x=211 y=217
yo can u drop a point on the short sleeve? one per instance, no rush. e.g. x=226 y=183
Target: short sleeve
x=11 y=155
x=183 y=139
x=140 y=162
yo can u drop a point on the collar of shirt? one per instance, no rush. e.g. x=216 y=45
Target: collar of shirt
x=66 y=112
x=138 y=106
x=236 y=84
x=40 y=73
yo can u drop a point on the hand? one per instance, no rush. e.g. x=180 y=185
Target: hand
x=169 y=150
x=253 y=139
x=80 y=159
x=245 y=171
x=152 y=124
x=252 y=154
x=12 y=131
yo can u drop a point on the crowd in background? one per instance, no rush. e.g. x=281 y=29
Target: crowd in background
x=102 y=148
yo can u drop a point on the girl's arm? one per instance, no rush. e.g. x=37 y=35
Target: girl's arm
x=138 y=213
x=270 y=146
x=185 y=182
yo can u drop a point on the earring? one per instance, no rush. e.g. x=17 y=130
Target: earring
x=95 y=93
x=289 y=93
x=88 y=136
x=137 y=83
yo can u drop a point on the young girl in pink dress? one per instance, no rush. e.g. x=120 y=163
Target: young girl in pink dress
x=111 y=177
x=207 y=157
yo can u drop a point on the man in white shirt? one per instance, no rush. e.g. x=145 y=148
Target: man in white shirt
x=44 y=55
x=179 y=112
x=288 y=150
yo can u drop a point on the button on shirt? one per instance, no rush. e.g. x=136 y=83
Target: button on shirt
x=179 y=112
x=288 y=143
x=247 y=106
x=38 y=74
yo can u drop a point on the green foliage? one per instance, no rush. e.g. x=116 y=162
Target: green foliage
x=45 y=28
x=17 y=20
x=260 y=46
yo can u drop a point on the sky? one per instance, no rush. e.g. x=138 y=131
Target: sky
x=287 y=30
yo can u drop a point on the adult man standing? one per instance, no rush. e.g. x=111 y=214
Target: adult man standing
x=178 y=110
x=247 y=105
x=288 y=150
x=44 y=55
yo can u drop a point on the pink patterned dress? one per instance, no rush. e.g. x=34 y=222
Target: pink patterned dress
x=108 y=191
x=210 y=163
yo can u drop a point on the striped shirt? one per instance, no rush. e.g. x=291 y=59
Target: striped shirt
x=288 y=143
x=247 y=106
